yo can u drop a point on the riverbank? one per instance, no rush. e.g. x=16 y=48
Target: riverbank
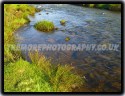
x=39 y=75
x=112 y=7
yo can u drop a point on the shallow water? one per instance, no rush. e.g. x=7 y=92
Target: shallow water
x=101 y=69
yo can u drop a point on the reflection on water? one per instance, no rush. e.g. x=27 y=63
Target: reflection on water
x=101 y=69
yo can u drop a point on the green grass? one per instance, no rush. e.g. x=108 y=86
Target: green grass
x=45 y=26
x=22 y=76
x=60 y=77
x=15 y=16
x=39 y=76
x=113 y=7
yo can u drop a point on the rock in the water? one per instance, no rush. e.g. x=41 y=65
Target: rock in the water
x=67 y=39
x=63 y=22
x=51 y=40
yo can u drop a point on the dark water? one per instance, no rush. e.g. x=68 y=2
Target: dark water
x=101 y=69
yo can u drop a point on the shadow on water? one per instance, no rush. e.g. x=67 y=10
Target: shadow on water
x=101 y=69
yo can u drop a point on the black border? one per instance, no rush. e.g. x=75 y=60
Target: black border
x=63 y=2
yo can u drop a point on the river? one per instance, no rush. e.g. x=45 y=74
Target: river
x=101 y=69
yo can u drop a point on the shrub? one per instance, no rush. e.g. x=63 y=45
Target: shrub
x=45 y=26
x=103 y=6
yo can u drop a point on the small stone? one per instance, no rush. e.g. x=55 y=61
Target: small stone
x=103 y=13
x=56 y=28
x=51 y=40
x=67 y=39
x=63 y=22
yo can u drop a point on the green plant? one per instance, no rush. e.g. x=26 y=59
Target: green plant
x=91 y=5
x=60 y=77
x=14 y=17
x=22 y=76
x=113 y=7
x=103 y=6
x=45 y=26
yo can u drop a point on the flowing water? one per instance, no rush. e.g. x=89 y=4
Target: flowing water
x=101 y=69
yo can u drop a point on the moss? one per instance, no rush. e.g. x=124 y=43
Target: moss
x=63 y=22
x=45 y=26
x=67 y=38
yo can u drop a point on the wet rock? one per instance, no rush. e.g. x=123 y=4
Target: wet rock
x=51 y=40
x=67 y=38
x=104 y=57
x=74 y=55
x=56 y=28
x=91 y=75
x=103 y=13
x=63 y=22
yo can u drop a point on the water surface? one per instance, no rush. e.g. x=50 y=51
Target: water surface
x=101 y=69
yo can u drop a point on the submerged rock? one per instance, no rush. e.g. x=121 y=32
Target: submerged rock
x=63 y=22
x=51 y=40
x=67 y=38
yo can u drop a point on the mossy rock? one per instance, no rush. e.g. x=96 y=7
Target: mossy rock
x=45 y=26
x=63 y=22
x=67 y=38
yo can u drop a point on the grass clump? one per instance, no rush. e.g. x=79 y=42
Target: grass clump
x=60 y=77
x=45 y=26
x=21 y=76
x=39 y=76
